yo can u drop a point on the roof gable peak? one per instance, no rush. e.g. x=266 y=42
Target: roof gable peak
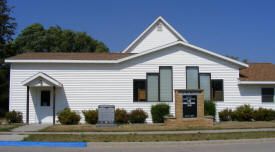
x=160 y=32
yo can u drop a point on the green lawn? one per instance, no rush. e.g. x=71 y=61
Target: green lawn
x=150 y=138
x=158 y=127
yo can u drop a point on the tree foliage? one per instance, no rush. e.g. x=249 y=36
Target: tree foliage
x=7 y=29
x=237 y=58
x=35 y=38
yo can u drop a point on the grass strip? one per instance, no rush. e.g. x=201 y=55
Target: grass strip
x=158 y=127
x=149 y=137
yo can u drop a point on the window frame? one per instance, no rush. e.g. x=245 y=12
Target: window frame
x=170 y=67
x=222 y=89
x=41 y=105
x=210 y=84
x=134 y=89
x=197 y=67
x=152 y=73
x=262 y=95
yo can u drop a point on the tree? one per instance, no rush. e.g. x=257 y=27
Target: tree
x=237 y=58
x=35 y=38
x=7 y=29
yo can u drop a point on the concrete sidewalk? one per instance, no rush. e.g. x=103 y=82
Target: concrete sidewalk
x=140 y=132
x=31 y=128
x=12 y=137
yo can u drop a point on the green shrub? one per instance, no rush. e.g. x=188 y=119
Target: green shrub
x=158 y=112
x=121 y=116
x=91 y=116
x=68 y=117
x=138 y=116
x=209 y=108
x=14 y=117
x=263 y=114
x=243 y=113
x=226 y=115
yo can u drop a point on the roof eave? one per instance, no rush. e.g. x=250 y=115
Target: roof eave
x=256 y=82
x=240 y=64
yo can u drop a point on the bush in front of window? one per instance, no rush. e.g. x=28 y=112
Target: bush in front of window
x=158 y=112
x=243 y=113
x=138 y=116
x=246 y=113
x=91 y=116
x=226 y=115
x=121 y=116
x=14 y=117
x=68 y=117
x=209 y=108
x=263 y=114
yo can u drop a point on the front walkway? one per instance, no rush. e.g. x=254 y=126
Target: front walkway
x=31 y=128
x=18 y=134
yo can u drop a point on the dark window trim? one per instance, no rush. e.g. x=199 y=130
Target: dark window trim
x=134 y=89
x=152 y=73
x=198 y=75
x=41 y=98
x=262 y=96
x=170 y=67
x=222 y=89
x=210 y=84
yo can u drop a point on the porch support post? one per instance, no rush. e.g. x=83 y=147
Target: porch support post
x=27 y=106
x=53 y=105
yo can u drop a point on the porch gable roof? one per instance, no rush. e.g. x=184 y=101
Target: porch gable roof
x=43 y=76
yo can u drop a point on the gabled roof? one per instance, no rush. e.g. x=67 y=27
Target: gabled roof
x=126 y=58
x=258 y=73
x=43 y=76
x=159 y=19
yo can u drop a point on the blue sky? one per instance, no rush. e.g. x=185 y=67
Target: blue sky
x=244 y=28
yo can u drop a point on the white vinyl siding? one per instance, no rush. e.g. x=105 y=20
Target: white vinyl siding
x=85 y=86
x=153 y=38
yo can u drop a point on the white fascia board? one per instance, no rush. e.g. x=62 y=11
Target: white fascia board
x=257 y=82
x=149 y=27
x=149 y=51
x=216 y=55
x=173 y=30
x=243 y=65
x=44 y=76
x=95 y=61
x=61 y=61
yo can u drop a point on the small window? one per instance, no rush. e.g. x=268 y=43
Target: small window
x=139 y=90
x=192 y=77
x=45 y=98
x=267 y=94
x=217 y=90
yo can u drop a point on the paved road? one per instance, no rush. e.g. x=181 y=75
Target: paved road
x=253 y=145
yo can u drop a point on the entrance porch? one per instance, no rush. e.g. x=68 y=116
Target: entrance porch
x=42 y=87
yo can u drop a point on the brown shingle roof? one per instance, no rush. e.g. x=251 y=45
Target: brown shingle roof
x=258 y=72
x=69 y=56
